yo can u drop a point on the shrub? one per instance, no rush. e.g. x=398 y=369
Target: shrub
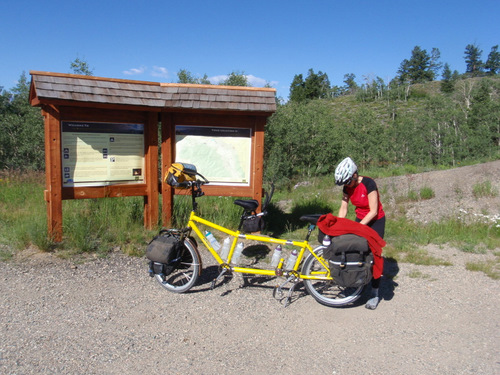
x=484 y=189
x=427 y=193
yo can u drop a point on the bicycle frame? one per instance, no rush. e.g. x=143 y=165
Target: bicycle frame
x=235 y=235
x=310 y=268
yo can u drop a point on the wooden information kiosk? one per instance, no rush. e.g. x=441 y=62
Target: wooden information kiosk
x=101 y=139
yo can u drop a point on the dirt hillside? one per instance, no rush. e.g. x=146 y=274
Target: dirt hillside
x=106 y=316
x=453 y=189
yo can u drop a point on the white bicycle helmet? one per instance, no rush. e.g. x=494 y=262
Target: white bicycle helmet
x=344 y=171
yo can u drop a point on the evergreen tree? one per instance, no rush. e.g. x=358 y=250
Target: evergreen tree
x=350 y=83
x=474 y=65
x=297 y=89
x=403 y=71
x=449 y=79
x=79 y=66
x=492 y=65
x=315 y=86
x=484 y=121
x=235 y=79
x=185 y=76
x=21 y=130
x=204 y=80
x=418 y=69
x=435 y=64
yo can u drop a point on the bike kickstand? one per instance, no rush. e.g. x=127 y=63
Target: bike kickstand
x=221 y=275
x=278 y=289
x=290 y=292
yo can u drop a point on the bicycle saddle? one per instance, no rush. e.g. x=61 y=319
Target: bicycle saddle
x=311 y=219
x=247 y=204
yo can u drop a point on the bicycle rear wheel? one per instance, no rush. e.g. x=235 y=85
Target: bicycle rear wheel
x=326 y=292
x=186 y=274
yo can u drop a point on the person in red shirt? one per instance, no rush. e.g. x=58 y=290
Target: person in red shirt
x=363 y=193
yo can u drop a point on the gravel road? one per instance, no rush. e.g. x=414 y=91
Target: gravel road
x=107 y=316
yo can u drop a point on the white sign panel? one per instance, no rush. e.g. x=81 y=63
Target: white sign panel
x=98 y=154
x=222 y=155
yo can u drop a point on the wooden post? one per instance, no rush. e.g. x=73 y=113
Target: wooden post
x=167 y=158
x=53 y=178
x=151 y=172
x=258 y=158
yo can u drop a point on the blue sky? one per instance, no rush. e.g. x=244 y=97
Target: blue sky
x=270 y=41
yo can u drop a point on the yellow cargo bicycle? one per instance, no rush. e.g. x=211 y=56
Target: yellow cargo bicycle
x=175 y=261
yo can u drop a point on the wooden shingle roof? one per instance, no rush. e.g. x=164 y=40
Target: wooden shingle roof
x=71 y=89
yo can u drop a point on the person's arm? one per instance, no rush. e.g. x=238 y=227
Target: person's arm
x=373 y=203
x=344 y=206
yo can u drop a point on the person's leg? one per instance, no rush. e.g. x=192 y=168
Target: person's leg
x=379 y=227
x=374 y=298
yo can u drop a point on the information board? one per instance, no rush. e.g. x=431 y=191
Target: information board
x=221 y=154
x=99 y=154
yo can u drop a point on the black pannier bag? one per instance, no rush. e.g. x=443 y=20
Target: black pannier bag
x=165 y=253
x=253 y=223
x=350 y=260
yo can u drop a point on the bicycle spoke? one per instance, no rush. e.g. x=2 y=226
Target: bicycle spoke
x=326 y=292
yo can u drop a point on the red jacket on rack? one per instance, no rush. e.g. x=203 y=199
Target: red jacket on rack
x=336 y=226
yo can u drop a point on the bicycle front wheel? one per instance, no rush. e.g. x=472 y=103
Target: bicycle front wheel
x=326 y=292
x=186 y=274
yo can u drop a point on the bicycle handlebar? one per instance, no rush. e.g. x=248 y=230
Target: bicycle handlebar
x=188 y=184
x=184 y=184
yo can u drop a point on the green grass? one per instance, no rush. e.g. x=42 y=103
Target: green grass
x=418 y=275
x=5 y=253
x=22 y=211
x=90 y=226
x=484 y=189
x=452 y=231
x=98 y=226
x=473 y=248
x=221 y=210
x=414 y=196
x=427 y=193
x=403 y=251
x=491 y=269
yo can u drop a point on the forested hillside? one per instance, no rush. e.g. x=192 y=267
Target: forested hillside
x=21 y=130
x=413 y=120
x=379 y=126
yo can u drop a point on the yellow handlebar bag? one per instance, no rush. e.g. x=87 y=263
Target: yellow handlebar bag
x=179 y=173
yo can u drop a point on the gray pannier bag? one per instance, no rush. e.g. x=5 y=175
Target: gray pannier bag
x=350 y=260
x=165 y=253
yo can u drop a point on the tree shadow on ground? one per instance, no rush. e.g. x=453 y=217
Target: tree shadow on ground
x=279 y=222
x=386 y=293
x=252 y=255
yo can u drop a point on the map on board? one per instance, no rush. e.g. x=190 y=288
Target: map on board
x=220 y=154
x=97 y=154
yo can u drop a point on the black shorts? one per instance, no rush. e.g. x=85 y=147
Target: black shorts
x=377 y=225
